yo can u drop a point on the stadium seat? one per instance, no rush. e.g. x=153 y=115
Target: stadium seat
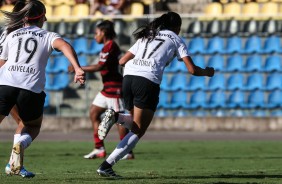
x=270 y=27
x=80 y=28
x=80 y=45
x=272 y=63
x=250 y=27
x=234 y=63
x=269 y=9
x=215 y=45
x=49 y=11
x=195 y=28
x=178 y=100
x=136 y=9
x=164 y=99
x=62 y=11
x=214 y=28
x=217 y=100
x=199 y=60
x=176 y=66
x=59 y=64
x=235 y=81
x=253 y=63
x=196 y=45
x=62 y=28
x=178 y=82
x=252 y=45
x=122 y=37
x=47 y=100
x=271 y=45
x=233 y=45
x=236 y=99
x=165 y=83
x=273 y=82
x=274 y=99
x=181 y=113
x=94 y=47
x=82 y=60
x=60 y=81
x=217 y=62
x=213 y=10
x=256 y=99
x=254 y=81
x=250 y=9
x=162 y=113
x=232 y=9
x=80 y=10
x=232 y=28
x=217 y=82
x=198 y=99
x=196 y=83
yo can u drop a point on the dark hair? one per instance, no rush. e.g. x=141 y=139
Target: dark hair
x=169 y=21
x=108 y=28
x=29 y=12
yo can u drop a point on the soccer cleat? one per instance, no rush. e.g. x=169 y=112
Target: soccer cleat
x=16 y=162
x=128 y=156
x=109 y=172
x=96 y=153
x=106 y=124
x=23 y=172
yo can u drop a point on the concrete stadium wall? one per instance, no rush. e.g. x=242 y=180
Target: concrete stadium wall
x=251 y=124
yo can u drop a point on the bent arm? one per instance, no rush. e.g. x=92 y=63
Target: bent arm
x=196 y=70
x=125 y=58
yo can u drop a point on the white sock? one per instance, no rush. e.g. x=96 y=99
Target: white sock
x=25 y=140
x=125 y=120
x=16 y=138
x=125 y=146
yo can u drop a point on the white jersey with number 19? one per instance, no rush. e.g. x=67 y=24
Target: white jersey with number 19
x=151 y=57
x=26 y=52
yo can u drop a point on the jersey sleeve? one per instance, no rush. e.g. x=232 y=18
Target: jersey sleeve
x=181 y=51
x=3 y=52
x=53 y=37
x=134 y=47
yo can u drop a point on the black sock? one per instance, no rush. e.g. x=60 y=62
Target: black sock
x=105 y=165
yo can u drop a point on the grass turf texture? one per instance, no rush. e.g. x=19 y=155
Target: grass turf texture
x=156 y=162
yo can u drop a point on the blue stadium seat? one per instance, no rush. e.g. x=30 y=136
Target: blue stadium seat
x=253 y=63
x=80 y=45
x=59 y=64
x=236 y=99
x=196 y=83
x=47 y=100
x=234 y=63
x=164 y=99
x=233 y=45
x=272 y=63
x=82 y=60
x=215 y=45
x=176 y=66
x=217 y=99
x=273 y=81
x=274 y=99
x=178 y=82
x=162 y=113
x=216 y=82
x=199 y=60
x=254 y=81
x=94 y=48
x=165 y=83
x=180 y=113
x=56 y=82
x=276 y=113
x=272 y=45
x=253 y=45
x=178 y=100
x=256 y=99
x=196 y=45
x=217 y=62
x=235 y=81
x=197 y=100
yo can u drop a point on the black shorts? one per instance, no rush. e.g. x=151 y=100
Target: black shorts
x=140 y=92
x=30 y=104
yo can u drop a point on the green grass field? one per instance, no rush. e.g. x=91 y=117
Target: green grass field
x=156 y=162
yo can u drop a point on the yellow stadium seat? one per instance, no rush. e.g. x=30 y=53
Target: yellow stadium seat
x=213 y=9
x=250 y=9
x=80 y=10
x=232 y=9
x=68 y=2
x=52 y=2
x=62 y=11
x=8 y=8
x=136 y=9
x=269 y=8
x=49 y=11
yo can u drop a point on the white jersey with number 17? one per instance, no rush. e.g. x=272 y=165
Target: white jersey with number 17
x=26 y=52
x=151 y=57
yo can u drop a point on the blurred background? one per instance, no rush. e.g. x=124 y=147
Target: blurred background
x=240 y=39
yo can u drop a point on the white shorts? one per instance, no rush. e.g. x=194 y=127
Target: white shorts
x=116 y=104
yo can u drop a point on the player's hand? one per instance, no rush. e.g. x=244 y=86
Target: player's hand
x=210 y=71
x=79 y=76
x=70 y=68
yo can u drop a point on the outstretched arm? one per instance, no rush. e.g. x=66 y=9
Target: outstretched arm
x=196 y=70
x=69 y=52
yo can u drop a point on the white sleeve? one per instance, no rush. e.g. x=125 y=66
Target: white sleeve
x=53 y=37
x=134 y=48
x=181 y=51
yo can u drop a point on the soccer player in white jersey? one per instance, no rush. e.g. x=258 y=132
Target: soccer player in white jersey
x=158 y=43
x=23 y=59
